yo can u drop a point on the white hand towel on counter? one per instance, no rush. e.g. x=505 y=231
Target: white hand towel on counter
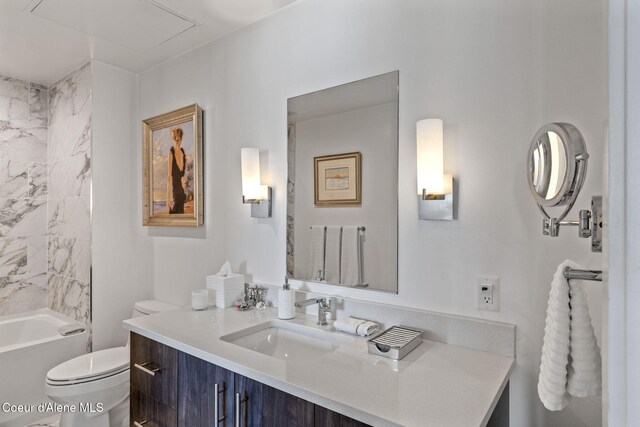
x=350 y=256
x=571 y=361
x=316 y=260
x=332 y=255
x=356 y=326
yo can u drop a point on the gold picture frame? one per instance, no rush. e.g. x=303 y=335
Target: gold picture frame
x=338 y=180
x=172 y=169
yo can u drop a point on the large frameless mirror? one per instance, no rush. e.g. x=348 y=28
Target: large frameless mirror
x=342 y=207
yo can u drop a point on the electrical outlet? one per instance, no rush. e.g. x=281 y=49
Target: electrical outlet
x=488 y=293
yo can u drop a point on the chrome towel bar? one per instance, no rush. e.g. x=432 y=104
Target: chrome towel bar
x=361 y=228
x=571 y=273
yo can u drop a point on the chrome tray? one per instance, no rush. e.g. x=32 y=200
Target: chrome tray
x=395 y=342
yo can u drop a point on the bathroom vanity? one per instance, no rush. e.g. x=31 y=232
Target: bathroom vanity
x=185 y=390
x=189 y=367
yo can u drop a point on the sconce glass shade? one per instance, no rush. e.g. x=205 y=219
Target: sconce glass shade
x=430 y=156
x=251 y=188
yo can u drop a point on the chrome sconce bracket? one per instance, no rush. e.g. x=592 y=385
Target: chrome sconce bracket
x=437 y=207
x=260 y=208
x=589 y=224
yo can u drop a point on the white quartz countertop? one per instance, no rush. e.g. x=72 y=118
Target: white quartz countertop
x=435 y=385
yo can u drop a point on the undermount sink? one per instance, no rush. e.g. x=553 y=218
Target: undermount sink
x=287 y=341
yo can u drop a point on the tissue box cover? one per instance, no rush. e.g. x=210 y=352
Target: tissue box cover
x=224 y=282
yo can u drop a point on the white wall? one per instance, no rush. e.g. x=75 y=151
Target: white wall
x=622 y=318
x=371 y=131
x=495 y=71
x=121 y=260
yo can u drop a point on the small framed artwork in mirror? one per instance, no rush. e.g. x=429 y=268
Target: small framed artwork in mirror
x=172 y=169
x=337 y=179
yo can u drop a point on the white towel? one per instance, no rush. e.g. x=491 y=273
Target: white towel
x=350 y=256
x=571 y=361
x=316 y=259
x=332 y=255
x=356 y=326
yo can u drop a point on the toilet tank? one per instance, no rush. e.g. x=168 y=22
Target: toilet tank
x=144 y=308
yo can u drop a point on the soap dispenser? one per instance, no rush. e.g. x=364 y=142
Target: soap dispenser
x=286 y=298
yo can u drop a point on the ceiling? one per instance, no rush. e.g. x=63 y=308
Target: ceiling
x=42 y=40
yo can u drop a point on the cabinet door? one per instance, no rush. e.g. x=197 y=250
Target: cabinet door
x=282 y=409
x=247 y=402
x=327 y=418
x=202 y=386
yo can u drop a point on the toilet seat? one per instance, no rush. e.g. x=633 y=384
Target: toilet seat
x=88 y=390
x=90 y=367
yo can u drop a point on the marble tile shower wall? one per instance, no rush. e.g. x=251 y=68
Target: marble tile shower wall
x=69 y=179
x=23 y=196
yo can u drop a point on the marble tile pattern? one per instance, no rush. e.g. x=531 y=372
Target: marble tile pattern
x=14 y=102
x=68 y=187
x=23 y=190
x=70 y=217
x=38 y=105
x=70 y=257
x=22 y=144
x=69 y=297
x=45 y=173
x=23 y=217
x=13 y=256
x=291 y=197
x=70 y=116
x=23 y=293
x=37 y=176
x=70 y=177
x=13 y=179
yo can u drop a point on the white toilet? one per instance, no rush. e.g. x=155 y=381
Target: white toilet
x=97 y=384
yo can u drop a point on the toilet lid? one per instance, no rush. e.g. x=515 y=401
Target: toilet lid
x=153 y=306
x=92 y=366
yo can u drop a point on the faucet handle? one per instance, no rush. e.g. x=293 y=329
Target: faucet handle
x=324 y=308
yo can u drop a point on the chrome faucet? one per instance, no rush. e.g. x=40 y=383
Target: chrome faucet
x=324 y=307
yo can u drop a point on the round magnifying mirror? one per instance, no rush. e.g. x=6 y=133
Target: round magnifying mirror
x=557 y=164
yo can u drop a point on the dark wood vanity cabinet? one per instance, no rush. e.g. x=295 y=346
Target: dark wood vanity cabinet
x=283 y=409
x=203 y=390
x=253 y=403
x=170 y=388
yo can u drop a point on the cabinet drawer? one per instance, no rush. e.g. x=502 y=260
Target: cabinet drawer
x=154 y=369
x=148 y=412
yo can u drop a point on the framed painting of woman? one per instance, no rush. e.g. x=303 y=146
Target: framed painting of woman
x=172 y=169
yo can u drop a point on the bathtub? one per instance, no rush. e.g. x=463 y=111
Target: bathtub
x=30 y=346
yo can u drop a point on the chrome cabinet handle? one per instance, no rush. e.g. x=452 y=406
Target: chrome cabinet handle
x=141 y=424
x=143 y=368
x=216 y=410
x=239 y=402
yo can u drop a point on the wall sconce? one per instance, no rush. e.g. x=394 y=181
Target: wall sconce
x=435 y=188
x=253 y=192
